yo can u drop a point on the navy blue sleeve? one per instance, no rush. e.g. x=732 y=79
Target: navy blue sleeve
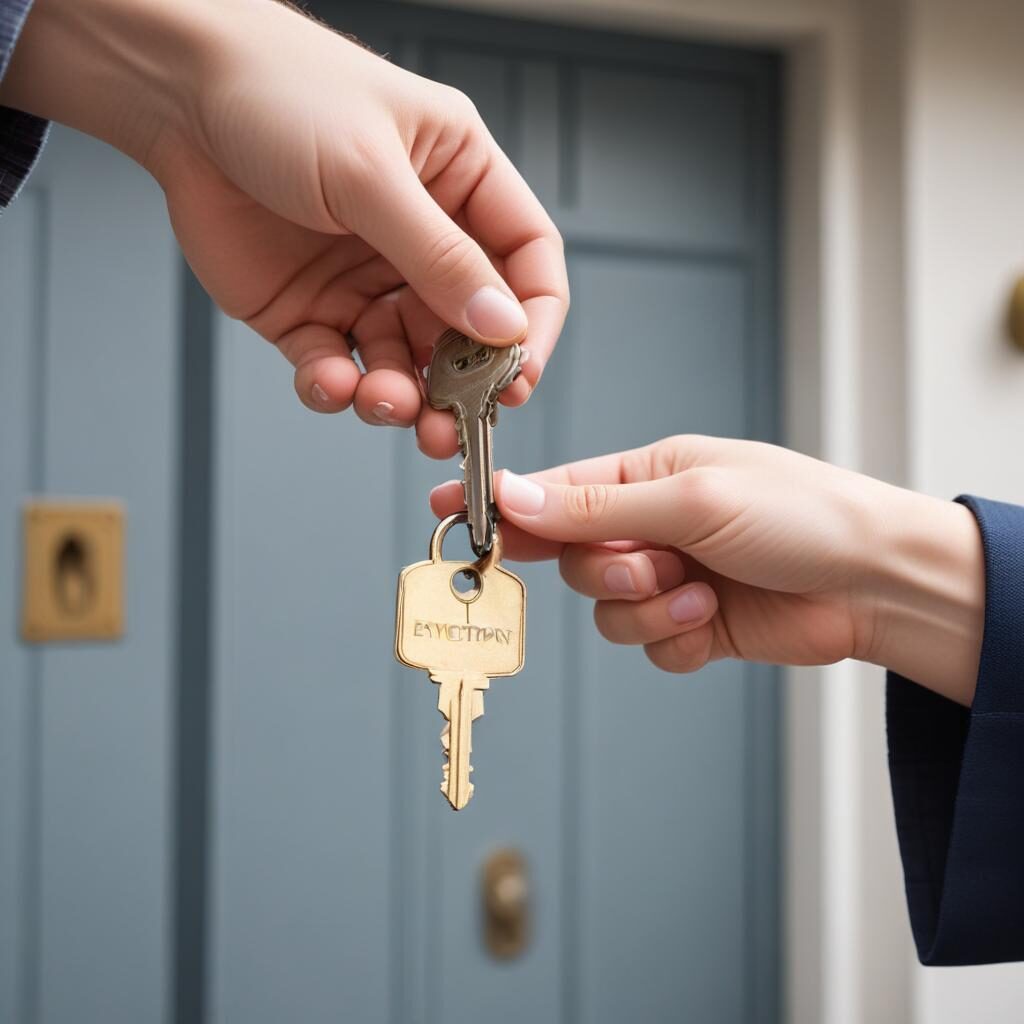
x=958 y=777
x=21 y=135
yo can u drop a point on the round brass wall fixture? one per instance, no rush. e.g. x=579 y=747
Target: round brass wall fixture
x=1017 y=314
x=505 y=896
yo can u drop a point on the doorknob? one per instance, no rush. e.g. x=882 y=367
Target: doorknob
x=506 y=904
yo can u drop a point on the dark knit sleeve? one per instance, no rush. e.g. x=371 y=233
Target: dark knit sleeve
x=21 y=135
x=958 y=777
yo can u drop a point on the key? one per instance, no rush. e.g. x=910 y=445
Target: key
x=467 y=378
x=460 y=700
x=463 y=637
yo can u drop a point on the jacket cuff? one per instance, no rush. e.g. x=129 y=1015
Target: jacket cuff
x=21 y=135
x=958 y=777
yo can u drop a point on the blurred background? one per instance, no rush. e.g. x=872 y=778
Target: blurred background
x=795 y=220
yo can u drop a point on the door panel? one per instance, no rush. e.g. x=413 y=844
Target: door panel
x=343 y=888
x=662 y=801
x=88 y=388
x=19 y=468
x=661 y=157
x=304 y=607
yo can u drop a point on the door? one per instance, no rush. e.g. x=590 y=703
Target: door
x=341 y=888
x=233 y=814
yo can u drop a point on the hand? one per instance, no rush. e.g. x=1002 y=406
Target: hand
x=319 y=192
x=701 y=548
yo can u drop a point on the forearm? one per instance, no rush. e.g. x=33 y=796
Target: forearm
x=925 y=593
x=121 y=70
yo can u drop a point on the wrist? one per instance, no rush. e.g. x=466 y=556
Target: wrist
x=124 y=71
x=923 y=593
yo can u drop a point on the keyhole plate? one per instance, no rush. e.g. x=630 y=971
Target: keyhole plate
x=73 y=556
x=505 y=902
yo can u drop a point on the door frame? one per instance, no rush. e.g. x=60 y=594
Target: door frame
x=847 y=947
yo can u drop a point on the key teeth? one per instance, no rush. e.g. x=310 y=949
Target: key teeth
x=444 y=792
x=446 y=767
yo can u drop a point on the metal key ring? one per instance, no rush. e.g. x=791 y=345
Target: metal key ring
x=485 y=561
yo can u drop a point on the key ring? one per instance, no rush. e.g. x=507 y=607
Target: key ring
x=492 y=532
x=485 y=560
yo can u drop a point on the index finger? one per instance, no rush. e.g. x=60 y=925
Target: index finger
x=516 y=544
x=519 y=545
x=508 y=220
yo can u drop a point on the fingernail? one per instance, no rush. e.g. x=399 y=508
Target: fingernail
x=320 y=395
x=385 y=412
x=521 y=495
x=687 y=606
x=494 y=316
x=619 y=580
x=524 y=356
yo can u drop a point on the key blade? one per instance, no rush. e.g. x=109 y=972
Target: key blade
x=460 y=789
x=460 y=700
x=467 y=378
x=478 y=483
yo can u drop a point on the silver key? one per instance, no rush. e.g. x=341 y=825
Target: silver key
x=467 y=378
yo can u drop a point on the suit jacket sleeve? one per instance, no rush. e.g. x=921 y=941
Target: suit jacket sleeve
x=958 y=777
x=21 y=135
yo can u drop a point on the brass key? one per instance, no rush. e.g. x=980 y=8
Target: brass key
x=467 y=378
x=462 y=638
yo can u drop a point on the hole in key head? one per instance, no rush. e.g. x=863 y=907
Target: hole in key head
x=471 y=359
x=466 y=584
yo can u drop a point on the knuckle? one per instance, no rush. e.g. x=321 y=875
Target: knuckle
x=605 y=622
x=602 y=620
x=683 y=653
x=690 y=650
x=657 y=656
x=588 y=504
x=701 y=490
x=679 y=452
x=459 y=107
x=622 y=622
x=448 y=259
x=567 y=564
x=358 y=165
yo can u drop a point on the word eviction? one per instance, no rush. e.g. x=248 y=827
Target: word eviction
x=456 y=633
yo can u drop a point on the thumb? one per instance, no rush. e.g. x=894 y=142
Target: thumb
x=651 y=510
x=444 y=266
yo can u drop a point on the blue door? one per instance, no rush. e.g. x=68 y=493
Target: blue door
x=232 y=815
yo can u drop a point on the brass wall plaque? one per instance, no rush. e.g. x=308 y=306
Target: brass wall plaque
x=73 y=558
x=1016 y=317
x=505 y=892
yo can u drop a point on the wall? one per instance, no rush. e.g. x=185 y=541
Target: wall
x=965 y=191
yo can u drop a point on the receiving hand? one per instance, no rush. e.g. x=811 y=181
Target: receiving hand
x=701 y=548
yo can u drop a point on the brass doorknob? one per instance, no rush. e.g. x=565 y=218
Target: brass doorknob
x=506 y=903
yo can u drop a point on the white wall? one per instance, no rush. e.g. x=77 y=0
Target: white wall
x=965 y=191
